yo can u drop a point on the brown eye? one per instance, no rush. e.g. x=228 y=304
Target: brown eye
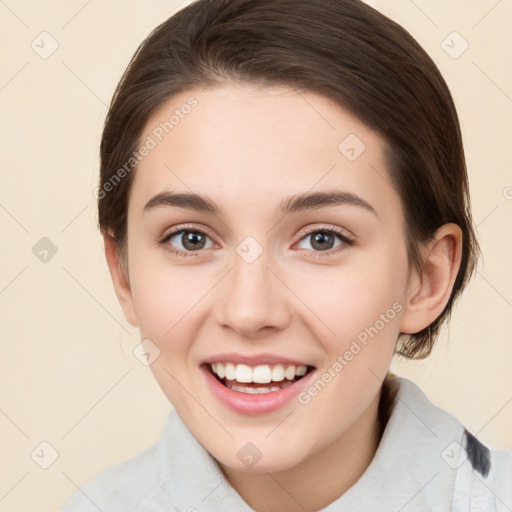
x=324 y=240
x=188 y=240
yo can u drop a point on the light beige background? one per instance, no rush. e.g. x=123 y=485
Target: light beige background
x=68 y=375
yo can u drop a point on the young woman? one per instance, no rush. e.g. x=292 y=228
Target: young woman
x=284 y=204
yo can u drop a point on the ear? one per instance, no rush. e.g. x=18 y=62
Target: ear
x=120 y=280
x=429 y=292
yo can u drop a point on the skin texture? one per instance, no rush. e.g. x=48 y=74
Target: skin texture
x=247 y=148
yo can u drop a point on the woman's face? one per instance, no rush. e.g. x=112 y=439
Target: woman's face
x=265 y=240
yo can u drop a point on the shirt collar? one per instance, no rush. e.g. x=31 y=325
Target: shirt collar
x=412 y=469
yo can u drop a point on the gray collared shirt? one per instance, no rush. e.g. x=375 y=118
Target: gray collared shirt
x=426 y=461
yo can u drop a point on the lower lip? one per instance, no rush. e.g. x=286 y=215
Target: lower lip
x=254 y=404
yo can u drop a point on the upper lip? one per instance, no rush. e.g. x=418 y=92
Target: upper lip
x=253 y=360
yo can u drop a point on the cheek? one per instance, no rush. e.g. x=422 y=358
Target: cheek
x=347 y=299
x=362 y=304
x=165 y=299
x=166 y=302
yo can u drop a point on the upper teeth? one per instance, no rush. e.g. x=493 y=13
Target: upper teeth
x=260 y=374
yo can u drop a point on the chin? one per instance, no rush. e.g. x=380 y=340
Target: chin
x=259 y=457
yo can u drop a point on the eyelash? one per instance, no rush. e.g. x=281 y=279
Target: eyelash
x=194 y=229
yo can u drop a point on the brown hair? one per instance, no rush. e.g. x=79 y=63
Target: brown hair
x=342 y=49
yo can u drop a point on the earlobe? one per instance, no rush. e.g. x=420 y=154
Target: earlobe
x=429 y=292
x=120 y=280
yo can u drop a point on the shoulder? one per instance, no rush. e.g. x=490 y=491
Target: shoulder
x=477 y=476
x=484 y=477
x=123 y=487
x=501 y=477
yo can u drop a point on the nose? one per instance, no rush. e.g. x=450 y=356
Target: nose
x=254 y=300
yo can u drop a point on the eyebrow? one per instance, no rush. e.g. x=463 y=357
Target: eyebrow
x=292 y=204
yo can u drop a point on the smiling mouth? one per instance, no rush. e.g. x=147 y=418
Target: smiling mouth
x=257 y=379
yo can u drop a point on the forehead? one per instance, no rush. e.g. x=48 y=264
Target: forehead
x=239 y=144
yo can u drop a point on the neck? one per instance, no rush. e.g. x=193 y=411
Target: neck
x=321 y=479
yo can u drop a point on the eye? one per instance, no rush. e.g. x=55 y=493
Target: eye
x=190 y=241
x=323 y=240
x=187 y=241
